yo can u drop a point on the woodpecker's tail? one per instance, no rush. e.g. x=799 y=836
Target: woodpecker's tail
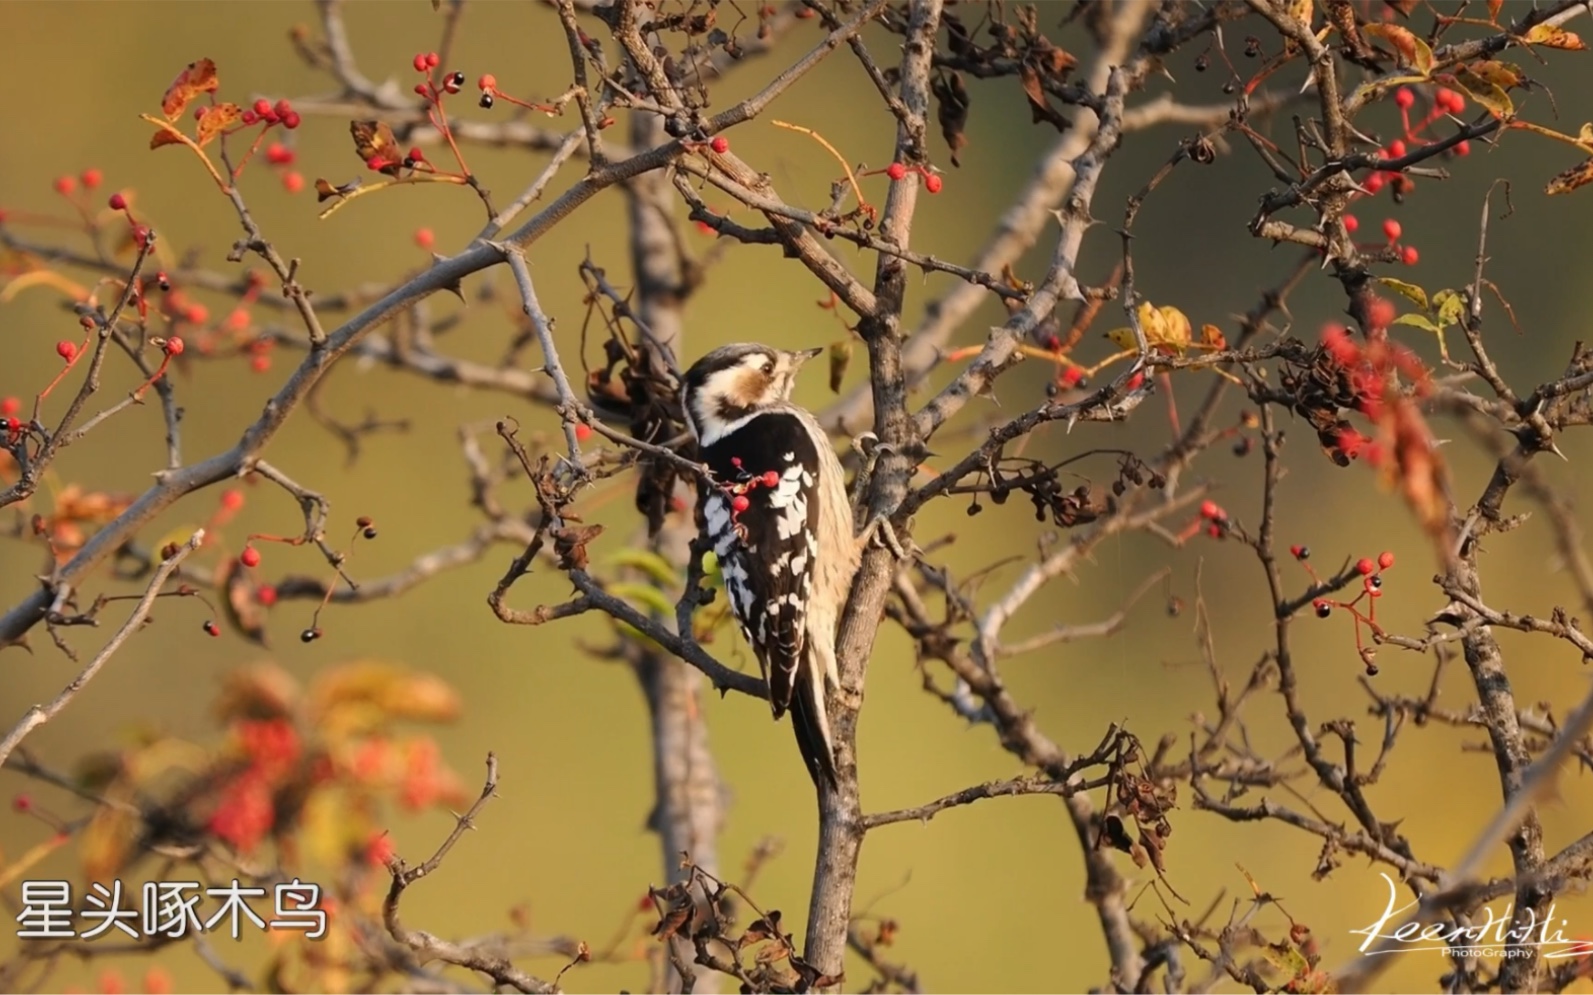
x=811 y=720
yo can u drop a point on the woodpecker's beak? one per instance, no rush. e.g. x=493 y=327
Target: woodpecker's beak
x=803 y=355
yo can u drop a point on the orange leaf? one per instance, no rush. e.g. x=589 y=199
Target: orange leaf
x=1494 y=6
x=164 y=137
x=199 y=77
x=1554 y=36
x=1412 y=50
x=1579 y=175
x=217 y=118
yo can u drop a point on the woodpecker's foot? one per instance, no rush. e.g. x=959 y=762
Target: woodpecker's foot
x=879 y=532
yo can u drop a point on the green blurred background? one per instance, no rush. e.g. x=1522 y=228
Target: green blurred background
x=989 y=897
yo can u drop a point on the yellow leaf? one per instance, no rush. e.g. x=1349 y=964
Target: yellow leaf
x=1449 y=307
x=1501 y=74
x=1584 y=137
x=651 y=598
x=1493 y=99
x=1418 y=321
x=646 y=561
x=199 y=77
x=106 y=842
x=1553 y=36
x=1409 y=291
x=1413 y=52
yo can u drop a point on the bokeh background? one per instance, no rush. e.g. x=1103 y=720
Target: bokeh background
x=988 y=897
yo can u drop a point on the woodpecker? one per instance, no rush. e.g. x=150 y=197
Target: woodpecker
x=778 y=518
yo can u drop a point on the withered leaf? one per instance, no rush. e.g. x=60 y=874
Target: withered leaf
x=217 y=119
x=1579 y=175
x=840 y=359
x=325 y=191
x=374 y=140
x=1115 y=835
x=1554 y=36
x=952 y=100
x=569 y=543
x=239 y=604
x=1039 y=106
x=199 y=77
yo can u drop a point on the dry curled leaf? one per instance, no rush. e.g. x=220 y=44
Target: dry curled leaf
x=1039 y=107
x=325 y=191
x=952 y=102
x=199 y=77
x=1577 y=176
x=1412 y=51
x=165 y=136
x=569 y=542
x=374 y=142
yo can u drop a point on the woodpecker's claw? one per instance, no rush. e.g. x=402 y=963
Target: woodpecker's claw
x=879 y=531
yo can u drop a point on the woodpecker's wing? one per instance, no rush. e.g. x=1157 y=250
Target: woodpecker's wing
x=768 y=563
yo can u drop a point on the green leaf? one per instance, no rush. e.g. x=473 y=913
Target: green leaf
x=648 y=596
x=1409 y=291
x=1449 y=307
x=648 y=562
x=1419 y=321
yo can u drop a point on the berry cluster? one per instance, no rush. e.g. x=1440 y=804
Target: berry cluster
x=1371 y=573
x=744 y=484
x=897 y=171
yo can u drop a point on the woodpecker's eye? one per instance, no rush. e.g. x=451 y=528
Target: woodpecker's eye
x=768 y=367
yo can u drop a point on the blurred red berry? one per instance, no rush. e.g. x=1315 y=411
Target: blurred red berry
x=1209 y=510
x=262 y=107
x=1365 y=566
x=419 y=62
x=1404 y=98
x=1379 y=313
x=291 y=120
x=583 y=432
x=1351 y=222
x=425 y=238
x=896 y=171
x=174 y=346
x=1396 y=149
x=117 y=202
x=67 y=350
x=1463 y=147
x=1385 y=560
x=10 y=406
x=432 y=60
x=250 y=557
x=1409 y=256
x=1391 y=230
x=1374 y=183
x=933 y=182
x=260 y=363
x=266 y=595
x=292 y=182
x=22 y=803
x=91 y=178
x=232 y=499
x=64 y=185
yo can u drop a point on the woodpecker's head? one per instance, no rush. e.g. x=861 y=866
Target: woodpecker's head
x=735 y=382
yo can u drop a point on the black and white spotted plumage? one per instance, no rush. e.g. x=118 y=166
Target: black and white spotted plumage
x=788 y=556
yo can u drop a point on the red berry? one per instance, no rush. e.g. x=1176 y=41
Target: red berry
x=293 y=182
x=1379 y=313
x=250 y=557
x=1374 y=183
x=1409 y=256
x=1385 y=560
x=262 y=107
x=432 y=60
x=1396 y=149
x=425 y=238
x=10 y=406
x=278 y=154
x=1451 y=99
x=91 y=178
x=1463 y=147
x=416 y=155
x=67 y=350
x=174 y=346
x=1209 y=510
x=1323 y=608
x=1072 y=376
x=266 y=595
x=896 y=171
x=196 y=314
x=933 y=182
x=488 y=83
x=250 y=117
x=771 y=479
x=583 y=432
x=376 y=163
x=1391 y=230
x=283 y=107
x=720 y=144
x=140 y=235
x=1351 y=222
x=232 y=499
x=260 y=363
x=1365 y=566
x=211 y=628
x=420 y=62
x=1404 y=98
x=291 y=120
x=65 y=185
x=1300 y=552
x=22 y=803
x=1135 y=382
x=739 y=503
